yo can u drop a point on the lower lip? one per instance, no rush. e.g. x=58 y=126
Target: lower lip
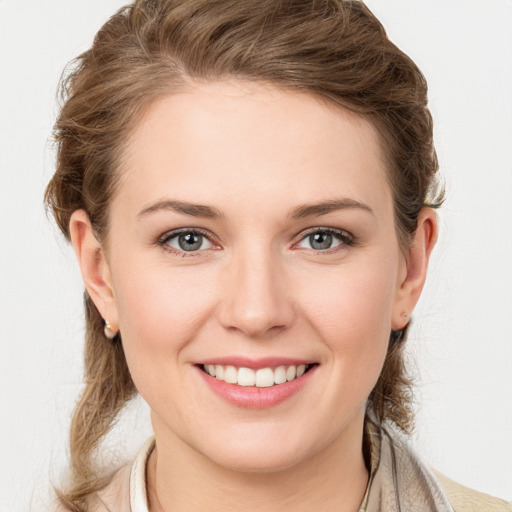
x=252 y=397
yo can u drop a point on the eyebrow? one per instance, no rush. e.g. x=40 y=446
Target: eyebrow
x=309 y=210
x=209 y=212
x=192 y=209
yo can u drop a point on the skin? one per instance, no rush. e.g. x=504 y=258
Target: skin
x=257 y=288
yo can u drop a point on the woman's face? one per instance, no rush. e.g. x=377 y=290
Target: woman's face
x=253 y=228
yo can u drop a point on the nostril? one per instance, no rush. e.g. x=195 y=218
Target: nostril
x=257 y=321
x=255 y=300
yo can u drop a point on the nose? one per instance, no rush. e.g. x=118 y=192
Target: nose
x=256 y=299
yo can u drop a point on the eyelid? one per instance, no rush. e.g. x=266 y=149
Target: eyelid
x=343 y=235
x=346 y=238
x=163 y=240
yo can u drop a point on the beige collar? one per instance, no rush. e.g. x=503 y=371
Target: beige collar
x=399 y=480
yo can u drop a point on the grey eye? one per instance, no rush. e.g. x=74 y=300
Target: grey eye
x=323 y=240
x=189 y=241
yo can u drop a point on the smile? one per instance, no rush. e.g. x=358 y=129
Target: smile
x=260 y=378
x=256 y=383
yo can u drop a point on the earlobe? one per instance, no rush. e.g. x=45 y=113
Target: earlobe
x=417 y=260
x=94 y=267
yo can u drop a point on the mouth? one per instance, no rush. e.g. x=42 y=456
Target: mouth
x=256 y=377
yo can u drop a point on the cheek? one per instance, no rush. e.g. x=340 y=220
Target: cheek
x=353 y=299
x=351 y=311
x=160 y=311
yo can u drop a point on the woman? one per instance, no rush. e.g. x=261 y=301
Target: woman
x=249 y=188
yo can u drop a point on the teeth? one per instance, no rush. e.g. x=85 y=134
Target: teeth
x=262 y=378
x=219 y=371
x=246 y=377
x=291 y=373
x=231 y=375
x=280 y=375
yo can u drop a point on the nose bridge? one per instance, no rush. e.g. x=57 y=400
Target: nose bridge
x=255 y=300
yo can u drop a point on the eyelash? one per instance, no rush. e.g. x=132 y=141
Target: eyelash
x=343 y=236
x=164 y=240
x=346 y=239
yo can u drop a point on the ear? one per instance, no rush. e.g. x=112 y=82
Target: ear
x=415 y=272
x=94 y=267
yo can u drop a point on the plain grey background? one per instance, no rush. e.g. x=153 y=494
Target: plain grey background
x=461 y=343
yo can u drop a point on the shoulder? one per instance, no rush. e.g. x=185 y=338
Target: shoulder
x=411 y=477
x=464 y=499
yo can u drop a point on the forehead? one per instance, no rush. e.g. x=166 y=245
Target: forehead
x=217 y=142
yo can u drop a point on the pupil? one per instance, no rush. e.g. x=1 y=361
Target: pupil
x=320 y=241
x=190 y=241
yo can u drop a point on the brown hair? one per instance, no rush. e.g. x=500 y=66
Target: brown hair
x=334 y=49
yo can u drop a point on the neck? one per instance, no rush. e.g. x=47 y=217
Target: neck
x=334 y=479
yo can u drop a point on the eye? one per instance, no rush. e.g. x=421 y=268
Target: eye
x=186 y=241
x=325 y=239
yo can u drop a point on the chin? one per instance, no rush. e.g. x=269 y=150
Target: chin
x=257 y=460
x=264 y=451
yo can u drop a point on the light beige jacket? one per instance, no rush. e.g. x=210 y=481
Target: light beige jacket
x=399 y=482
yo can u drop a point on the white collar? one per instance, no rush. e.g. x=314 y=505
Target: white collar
x=138 y=494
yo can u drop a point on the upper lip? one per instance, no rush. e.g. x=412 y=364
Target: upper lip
x=262 y=362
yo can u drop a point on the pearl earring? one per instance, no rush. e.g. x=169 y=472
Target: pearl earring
x=107 y=330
